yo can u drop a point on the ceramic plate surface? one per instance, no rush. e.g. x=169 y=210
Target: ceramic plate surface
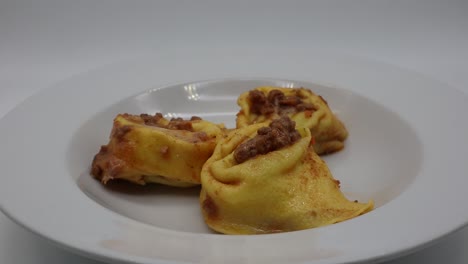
x=407 y=151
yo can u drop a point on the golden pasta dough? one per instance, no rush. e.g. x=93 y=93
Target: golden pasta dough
x=147 y=148
x=255 y=184
x=307 y=109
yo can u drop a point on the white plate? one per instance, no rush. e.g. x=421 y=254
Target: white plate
x=407 y=150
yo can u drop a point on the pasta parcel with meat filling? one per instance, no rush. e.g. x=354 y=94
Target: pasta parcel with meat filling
x=148 y=148
x=267 y=178
x=307 y=109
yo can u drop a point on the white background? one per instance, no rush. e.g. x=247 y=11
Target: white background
x=44 y=42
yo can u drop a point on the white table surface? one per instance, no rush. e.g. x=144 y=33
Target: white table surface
x=44 y=42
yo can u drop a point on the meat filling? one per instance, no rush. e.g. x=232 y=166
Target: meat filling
x=151 y=120
x=280 y=133
x=277 y=102
x=174 y=123
x=180 y=124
